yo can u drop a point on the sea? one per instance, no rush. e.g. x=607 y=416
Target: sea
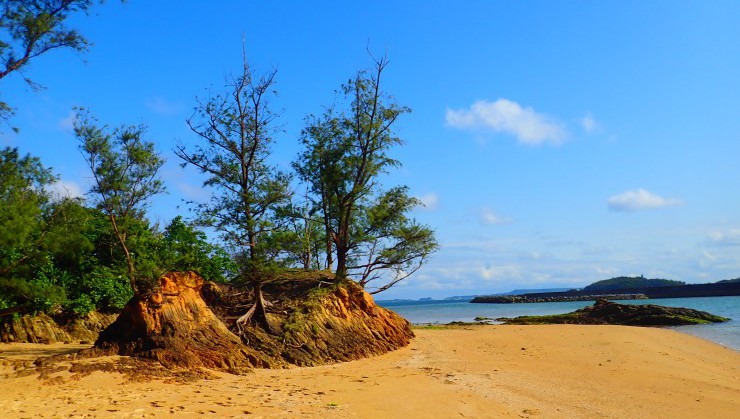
x=441 y=311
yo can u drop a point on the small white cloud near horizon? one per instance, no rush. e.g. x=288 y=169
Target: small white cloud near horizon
x=528 y=126
x=429 y=201
x=488 y=217
x=730 y=237
x=65 y=189
x=639 y=199
x=589 y=124
x=162 y=106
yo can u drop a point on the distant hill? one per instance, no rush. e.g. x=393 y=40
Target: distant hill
x=623 y=282
x=729 y=281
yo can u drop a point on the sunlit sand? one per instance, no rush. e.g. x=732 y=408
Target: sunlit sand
x=478 y=371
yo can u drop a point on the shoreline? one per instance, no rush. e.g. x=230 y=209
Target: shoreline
x=727 y=334
x=465 y=371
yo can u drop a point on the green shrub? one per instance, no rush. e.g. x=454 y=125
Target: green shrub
x=80 y=306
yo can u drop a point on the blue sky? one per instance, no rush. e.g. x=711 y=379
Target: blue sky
x=555 y=143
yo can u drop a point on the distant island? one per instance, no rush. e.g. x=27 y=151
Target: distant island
x=623 y=288
x=623 y=282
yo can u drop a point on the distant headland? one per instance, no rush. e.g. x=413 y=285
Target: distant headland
x=623 y=288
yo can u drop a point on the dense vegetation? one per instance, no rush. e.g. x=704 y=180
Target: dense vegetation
x=623 y=282
x=60 y=253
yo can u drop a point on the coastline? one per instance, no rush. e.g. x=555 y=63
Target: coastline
x=468 y=371
x=443 y=312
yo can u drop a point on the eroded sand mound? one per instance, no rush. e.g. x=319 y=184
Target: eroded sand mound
x=175 y=327
x=44 y=329
x=342 y=325
x=315 y=320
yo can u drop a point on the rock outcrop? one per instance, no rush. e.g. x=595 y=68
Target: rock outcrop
x=606 y=312
x=190 y=323
x=44 y=329
x=174 y=326
x=342 y=325
x=316 y=320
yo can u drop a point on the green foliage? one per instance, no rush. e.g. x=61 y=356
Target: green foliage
x=28 y=278
x=81 y=305
x=623 y=282
x=36 y=288
x=184 y=248
x=70 y=234
x=301 y=239
x=125 y=168
x=35 y=296
x=22 y=202
x=108 y=289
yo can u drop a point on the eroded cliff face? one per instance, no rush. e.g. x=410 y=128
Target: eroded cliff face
x=313 y=326
x=44 y=329
x=175 y=327
x=189 y=323
x=341 y=325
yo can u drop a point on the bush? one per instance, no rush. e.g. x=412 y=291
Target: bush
x=80 y=306
x=108 y=289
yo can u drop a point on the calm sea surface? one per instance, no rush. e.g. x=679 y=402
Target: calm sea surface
x=727 y=334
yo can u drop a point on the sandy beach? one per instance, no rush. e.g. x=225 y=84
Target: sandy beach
x=477 y=371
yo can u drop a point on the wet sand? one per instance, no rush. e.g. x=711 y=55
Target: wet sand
x=559 y=371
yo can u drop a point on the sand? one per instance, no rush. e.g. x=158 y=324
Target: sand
x=478 y=371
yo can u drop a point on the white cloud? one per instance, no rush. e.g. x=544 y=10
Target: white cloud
x=730 y=237
x=489 y=217
x=162 y=106
x=65 y=189
x=191 y=191
x=429 y=201
x=509 y=117
x=639 y=199
x=589 y=124
x=68 y=123
x=497 y=273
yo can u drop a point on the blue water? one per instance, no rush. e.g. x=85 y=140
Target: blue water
x=727 y=334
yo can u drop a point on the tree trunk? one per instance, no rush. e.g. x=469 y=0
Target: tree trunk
x=260 y=311
x=341 y=262
x=327 y=229
x=129 y=260
x=257 y=313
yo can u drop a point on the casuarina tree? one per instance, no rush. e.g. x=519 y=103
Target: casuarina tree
x=236 y=130
x=125 y=169
x=346 y=152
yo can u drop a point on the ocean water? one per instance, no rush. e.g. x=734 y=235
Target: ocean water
x=727 y=334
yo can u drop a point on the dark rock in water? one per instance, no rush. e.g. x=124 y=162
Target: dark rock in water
x=606 y=312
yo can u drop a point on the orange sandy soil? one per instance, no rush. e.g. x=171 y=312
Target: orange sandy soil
x=561 y=371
